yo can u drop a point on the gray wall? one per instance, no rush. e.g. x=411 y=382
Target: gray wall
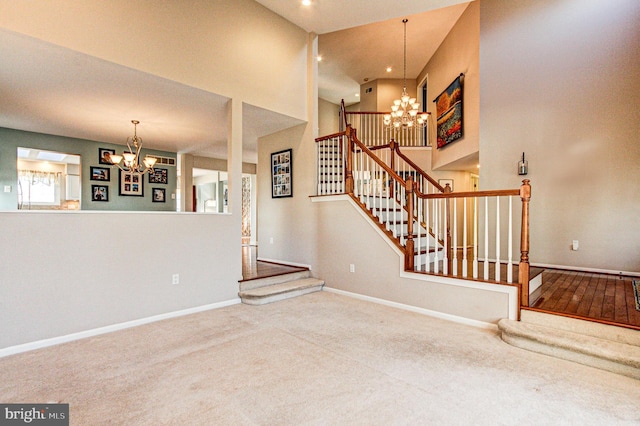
x=88 y=150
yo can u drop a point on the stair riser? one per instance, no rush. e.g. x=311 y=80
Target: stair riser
x=589 y=328
x=263 y=282
x=281 y=296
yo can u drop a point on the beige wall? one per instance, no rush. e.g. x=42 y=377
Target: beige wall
x=383 y=92
x=458 y=53
x=347 y=238
x=328 y=118
x=559 y=82
x=235 y=48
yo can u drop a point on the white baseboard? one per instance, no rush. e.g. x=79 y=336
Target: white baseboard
x=581 y=269
x=423 y=311
x=12 y=350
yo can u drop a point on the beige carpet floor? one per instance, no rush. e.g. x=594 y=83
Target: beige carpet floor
x=318 y=359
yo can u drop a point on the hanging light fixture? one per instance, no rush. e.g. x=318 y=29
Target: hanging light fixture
x=131 y=158
x=404 y=111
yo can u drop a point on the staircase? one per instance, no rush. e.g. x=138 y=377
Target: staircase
x=261 y=291
x=606 y=347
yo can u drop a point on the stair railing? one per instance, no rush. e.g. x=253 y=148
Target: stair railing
x=372 y=131
x=464 y=234
x=331 y=163
x=482 y=233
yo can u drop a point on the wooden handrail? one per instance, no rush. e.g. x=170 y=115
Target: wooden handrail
x=375 y=158
x=396 y=147
x=470 y=194
x=331 y=136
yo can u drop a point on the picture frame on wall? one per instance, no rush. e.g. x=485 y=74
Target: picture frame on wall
x=159 y=195
x=131 y=184
x=104 y=156
x=159 y=176
x=100 y=173
x=282 y=174
x=99 y=193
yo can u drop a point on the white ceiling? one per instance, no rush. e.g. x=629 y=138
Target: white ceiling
x=50 y=89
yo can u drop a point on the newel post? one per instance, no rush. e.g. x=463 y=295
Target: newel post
x=523 y=270
x=392 y=147
x=409 y=249
x=349 y=170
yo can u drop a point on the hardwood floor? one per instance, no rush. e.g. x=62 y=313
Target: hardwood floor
x=603 y=298
x=252 y=268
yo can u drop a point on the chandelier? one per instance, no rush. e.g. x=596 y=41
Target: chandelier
x=131 y=163
x=404 y=111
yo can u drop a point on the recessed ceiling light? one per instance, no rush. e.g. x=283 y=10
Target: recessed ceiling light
x=357 y=95
x=319 y=58
x=389 y=69
x=306 y=2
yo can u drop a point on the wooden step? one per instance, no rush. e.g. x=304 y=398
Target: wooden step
x=601 y=346
x=281 y=291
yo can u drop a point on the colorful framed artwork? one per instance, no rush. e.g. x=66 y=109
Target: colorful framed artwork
x=159 y=195
x=282 y=174
x=158 y=176
x=449 y=112
x=99 y=193
x=104 y=155
x=100 y=173
x=131 y=184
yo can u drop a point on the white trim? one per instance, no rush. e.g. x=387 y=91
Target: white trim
x=284 y=262
x=581 y=269
x=423 y=311
x=25 y=347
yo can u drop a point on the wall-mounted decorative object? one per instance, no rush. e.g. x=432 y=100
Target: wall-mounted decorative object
x=131 y=183
x=100 y=173
x=104 y=155
x=444 y=182
x=449 y=112
x=99 y=193
x=158 y=176
x=523 y=166
x=282 y=174
x=159 y=195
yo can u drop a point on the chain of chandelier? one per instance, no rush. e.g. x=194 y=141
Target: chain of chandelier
x=405 y=111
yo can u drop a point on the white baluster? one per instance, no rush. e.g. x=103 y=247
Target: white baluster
x=455 y=236
x=486 y=238
x=497 y=238
x=436 y=216
x=510 y=243
x=465 y=272
x=475 y=237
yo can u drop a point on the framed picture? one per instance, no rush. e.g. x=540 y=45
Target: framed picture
x=104 y=155
x=131 y=184
x=99 y=193
x=281 y=174
x=158 y=176
x=159 y=195
x=100 y=173
x=444 y=182
x=449 y=112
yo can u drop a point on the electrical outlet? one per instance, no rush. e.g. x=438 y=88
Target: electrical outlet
x=575 y=245
x=175 y=279
x=7 y=188
x=352 y=267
